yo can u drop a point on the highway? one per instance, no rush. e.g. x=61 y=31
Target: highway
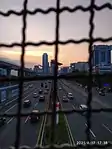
x=29 y=132
x=101 y=122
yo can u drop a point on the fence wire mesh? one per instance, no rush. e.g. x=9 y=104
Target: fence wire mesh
x=91 y=40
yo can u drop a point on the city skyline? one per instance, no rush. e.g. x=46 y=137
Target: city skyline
x=42 y=27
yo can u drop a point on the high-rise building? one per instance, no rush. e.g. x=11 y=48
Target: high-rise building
x=102 y=55
x=45 y=63
x=52 y=66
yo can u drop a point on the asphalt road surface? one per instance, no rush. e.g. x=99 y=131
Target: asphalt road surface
x=101 y=129
x=108 y=96
x=29 y=132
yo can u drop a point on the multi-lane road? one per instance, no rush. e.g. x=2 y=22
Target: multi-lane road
x=101 y=122
x=29 y=132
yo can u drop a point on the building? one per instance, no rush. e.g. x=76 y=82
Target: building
x=102 y=69
x=45 y=63
x=64 y=70
x=3 y=72
x=52 y=67
x=102 y=58
x=38 y=69
x=102 y=55
x=79 y=66
x=72 y=67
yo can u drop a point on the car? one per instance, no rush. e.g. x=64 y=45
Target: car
x=60 y=88
x=2 y=121
x=35 y=95
x=47 y=89
x=102 y=93
x=80 y=85
x=109 y=89
x=86 y=87
x=83 y=107
x=42 y=84
x=97 y=88
x=70 y=96
x=41 y=98
x=27 y=103
x=65 y=99
x=45 y=92
x=33 y=117
x=40 y=91
x=46 y=86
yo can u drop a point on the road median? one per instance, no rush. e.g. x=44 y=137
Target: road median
x=61 y=132
x=40 y=138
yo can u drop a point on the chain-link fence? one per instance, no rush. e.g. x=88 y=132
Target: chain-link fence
x=24 y=12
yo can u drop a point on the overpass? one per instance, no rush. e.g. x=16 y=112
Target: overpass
x=9 y=66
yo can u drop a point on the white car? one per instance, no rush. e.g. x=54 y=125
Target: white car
x=83 y=107
x=70 y=96
x=45 y=92
x=102 y=93
x=60 y=88
x=35 y=95
x=65 y=99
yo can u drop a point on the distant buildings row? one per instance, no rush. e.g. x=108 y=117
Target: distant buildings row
x=101 y=62
x=74 y=67
x=46 y=67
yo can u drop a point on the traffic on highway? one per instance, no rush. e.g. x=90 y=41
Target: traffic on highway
x=35 y=97
x=74 y=96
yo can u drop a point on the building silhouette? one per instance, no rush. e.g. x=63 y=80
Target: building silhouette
x=102 y=58
x=102 y=55
x=45 y=63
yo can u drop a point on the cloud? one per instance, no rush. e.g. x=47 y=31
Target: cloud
x=9 y=60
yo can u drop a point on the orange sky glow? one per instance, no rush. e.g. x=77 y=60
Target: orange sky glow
x=42 y=27
x=67 y=54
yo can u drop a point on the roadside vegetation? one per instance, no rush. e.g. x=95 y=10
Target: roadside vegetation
x=61 y=134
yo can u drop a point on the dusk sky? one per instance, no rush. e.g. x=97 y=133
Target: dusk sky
x=42 y=27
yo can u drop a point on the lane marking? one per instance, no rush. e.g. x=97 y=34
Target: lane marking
x=69 y=131
x=91 y=131
x=26 y=88
x=43 y=122
x=17 y=97
x=36 y=104
x=17 y=103
x=10 y=108
x=27 y=119
x=71 y=138
x=107 y=128
x=11 y=101
x=10 y=120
